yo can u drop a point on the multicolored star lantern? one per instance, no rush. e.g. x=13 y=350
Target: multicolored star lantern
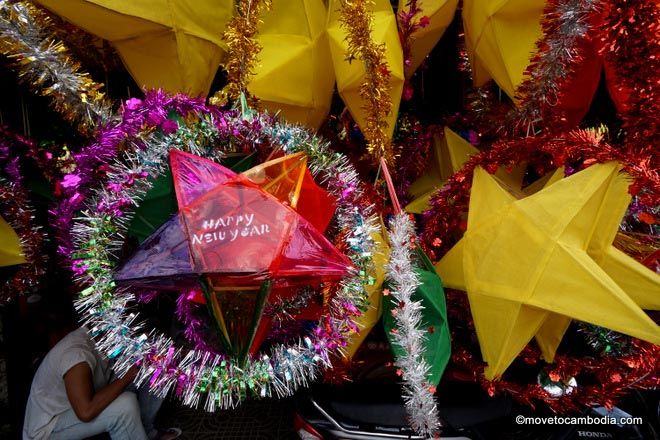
x=239 y=240
x=531 y=265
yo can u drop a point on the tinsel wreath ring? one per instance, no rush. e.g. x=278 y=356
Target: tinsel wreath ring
x=100 y=229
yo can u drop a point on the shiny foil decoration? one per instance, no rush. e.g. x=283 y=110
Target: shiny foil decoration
x=242 y=49
x=375 y=90
x=47 y=66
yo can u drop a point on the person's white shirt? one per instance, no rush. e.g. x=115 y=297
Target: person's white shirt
x=48 y=398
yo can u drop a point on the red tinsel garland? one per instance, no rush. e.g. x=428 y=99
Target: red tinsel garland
x=610 y=376
x=409 y=23
x=443 y=223
x=413 y=141
x=614 y=377
x=631 y=48
x=15 y=209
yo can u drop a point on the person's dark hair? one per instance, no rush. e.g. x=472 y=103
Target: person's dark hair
x=59 y=312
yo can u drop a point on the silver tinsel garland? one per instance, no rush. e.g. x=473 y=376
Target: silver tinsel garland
x=565 y=23
x=417 y=394
x=48 y=67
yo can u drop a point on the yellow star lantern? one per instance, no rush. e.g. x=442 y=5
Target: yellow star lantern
x=552 y=331
x=528 y=269
x=10 y=246
x=634 y=278
x=295 y=74
x=450 y=152
x=500 y=37
x=440 y=14
x=174 y=45
x=641 y=283
x=351 y=74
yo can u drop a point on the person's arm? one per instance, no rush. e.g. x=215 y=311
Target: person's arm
x=85 y=401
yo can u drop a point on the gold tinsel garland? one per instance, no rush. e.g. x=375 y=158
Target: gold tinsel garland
x=47 y=65
x=243 y=49
x=375 y=89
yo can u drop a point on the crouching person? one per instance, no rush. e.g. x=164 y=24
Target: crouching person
x=73 y=397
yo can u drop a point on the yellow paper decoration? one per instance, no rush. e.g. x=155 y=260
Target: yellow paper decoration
x=528 y=267
x=635 y=279
x=10 y=246
x=500 y=37
x=350 y=74
x=174 y=45
x=450 y=152
x=370 y=318
x=440 y=14
x=294 y=74
x=641 y=283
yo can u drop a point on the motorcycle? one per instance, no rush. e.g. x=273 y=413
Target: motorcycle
x=370 y=407
x=375 y=411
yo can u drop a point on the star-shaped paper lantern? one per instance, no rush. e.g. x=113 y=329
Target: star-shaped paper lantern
x=439 y=14
x=525 y=263
x=552 y=331
x=449 y=154
x=500 y=37
x=634 y=278
x=174 y=45
x=295 y=74
x=640 y=283
x=350 y=74
x=240 y=239
x=10 y=246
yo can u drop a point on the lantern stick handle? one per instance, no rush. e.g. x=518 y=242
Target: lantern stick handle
x=390 y=186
